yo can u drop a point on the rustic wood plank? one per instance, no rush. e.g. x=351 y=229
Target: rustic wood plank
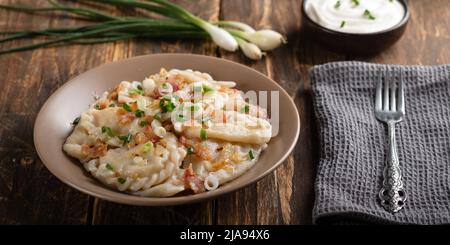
x=201 y=213
x=28 y=192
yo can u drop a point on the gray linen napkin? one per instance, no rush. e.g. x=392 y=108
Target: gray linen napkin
x=353 y=144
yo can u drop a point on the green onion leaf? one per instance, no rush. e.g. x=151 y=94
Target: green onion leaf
x=108 y=131
x=246 y=108
x=190 y=150
x=207 y=89
x=76 y=121
x=181 y=118
x=136 y=91
x=138 y=113
x=203 y=134
x=368 y=14
x=109 y=167
x=157 y=116
x=342 y=23
x=121 y=180
x=147 y=147
x=166 y=104
x=143 y=123
x=97 y=106
x=355 y=2
x=250 y=155
x=337 y=4
x=125 y=138
x=127 y=107
x=112 y=105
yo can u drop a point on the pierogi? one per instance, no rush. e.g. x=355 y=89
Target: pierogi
x=178 y=131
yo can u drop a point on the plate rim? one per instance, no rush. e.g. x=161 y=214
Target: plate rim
x=158 y=201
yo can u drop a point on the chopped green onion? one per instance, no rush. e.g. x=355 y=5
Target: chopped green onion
x=121 y=180
x=147 y=147
x=195 y=107
x=109 y=167
x=97 y=106
x=181 y=118
x=246 y=108
x=112 y=105
x=203 y=134
x=250 y=155
x=206 y=89
x=337 y=4
x=342 y=23
x=125 y=138
x=166 y=104
x=138 y=113
x=108 y=131
x=127 y=107
x=143 y=123
x=157 y=116
x=76 y=121
x=368 y=14
x=136 y=91
x=355 y=2
x=190 y=150
x=164 y=86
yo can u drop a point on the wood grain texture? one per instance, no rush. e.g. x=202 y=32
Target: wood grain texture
x=30 y=194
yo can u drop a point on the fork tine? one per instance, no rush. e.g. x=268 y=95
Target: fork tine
x=401 y=95
x=393 y=97
x=386 y=91
x=378 y=94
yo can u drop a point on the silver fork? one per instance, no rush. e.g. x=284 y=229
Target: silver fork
x=390 y=109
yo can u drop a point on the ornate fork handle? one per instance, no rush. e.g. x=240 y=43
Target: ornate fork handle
x=392 y=194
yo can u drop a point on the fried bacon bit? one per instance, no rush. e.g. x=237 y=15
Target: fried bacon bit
x=174 y=85
x=94 y=151
x=134 y=106
x=224 y=117
x=113 y=95
x=85 y=149
x=99 y=150
x=120 y=111
x=140 y=138
x=155 y=139
x=148 y=118
x=202 y=152
x=168 y=126
x=156 y=93
x=148 y=131
x=220 y=164
x=192 y=181
x=126 y=119
x=163 y=142
x=236 y=157
x=183 y=140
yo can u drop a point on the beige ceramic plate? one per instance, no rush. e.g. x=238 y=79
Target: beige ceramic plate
x=53 y=124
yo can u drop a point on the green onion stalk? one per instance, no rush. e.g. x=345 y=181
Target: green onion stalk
x=177 y=22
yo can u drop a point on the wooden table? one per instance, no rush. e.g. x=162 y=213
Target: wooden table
x=30 y=194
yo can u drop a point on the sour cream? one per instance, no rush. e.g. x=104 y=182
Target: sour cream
x=355 y=16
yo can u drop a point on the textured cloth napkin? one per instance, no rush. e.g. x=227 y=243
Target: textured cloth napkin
x=354 y=144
